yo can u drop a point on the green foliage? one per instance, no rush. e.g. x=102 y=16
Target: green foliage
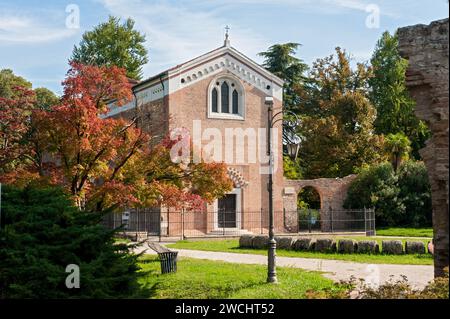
x=415 y=193
x=395 y=108
x=280 y=60
x=291 y=168
x=337 y=125
x=308 y=197
x=399 y=199
x=112 y=43
x=8 y=82
x=42 y=233
x=45 y=99
x=397 y=146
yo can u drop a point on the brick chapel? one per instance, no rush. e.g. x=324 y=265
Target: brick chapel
x=221 y=91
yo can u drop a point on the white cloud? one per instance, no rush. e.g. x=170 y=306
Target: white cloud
x=18 y=28
x=180 y=30
x=176 y=33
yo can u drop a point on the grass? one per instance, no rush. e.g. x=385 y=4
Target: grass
x=204 y=279
x=122 y=240
x=232 y=246
x=406 y=232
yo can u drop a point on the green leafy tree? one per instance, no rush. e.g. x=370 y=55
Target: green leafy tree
x=415 y=193
x=395 y=108
x=280 y=59
x=112 y=43
x=9 y=82
x=401 y=198
x=377 y=187
x=45 y=99
x=291 y=168
x=308 y=197
x=398 y=147
x=337 y=119
x=42 y=233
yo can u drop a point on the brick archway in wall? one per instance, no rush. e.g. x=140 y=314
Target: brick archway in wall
x=332 y=191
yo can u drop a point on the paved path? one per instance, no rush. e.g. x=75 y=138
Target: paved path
x=418 y=275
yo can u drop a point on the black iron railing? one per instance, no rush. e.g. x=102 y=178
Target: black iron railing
x=179 y=224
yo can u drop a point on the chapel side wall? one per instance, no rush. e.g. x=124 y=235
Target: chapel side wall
x=153 y=117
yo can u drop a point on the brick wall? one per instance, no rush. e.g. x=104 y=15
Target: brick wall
x=426 y=48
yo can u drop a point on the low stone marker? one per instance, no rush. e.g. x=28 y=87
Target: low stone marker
x=367 y=247
x=284 y=242
x=260 y=242
x=346 y=246
x=414 y=247
x=392 y=247
x=301 y=244
x=325 y=245
x=245 y=241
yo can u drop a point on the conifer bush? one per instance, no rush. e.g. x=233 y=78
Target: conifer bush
x=42 y=233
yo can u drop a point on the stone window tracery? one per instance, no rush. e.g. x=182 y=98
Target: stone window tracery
x=226 y=99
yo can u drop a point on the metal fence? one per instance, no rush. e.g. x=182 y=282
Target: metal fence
x=188 y=224
x=345 y=220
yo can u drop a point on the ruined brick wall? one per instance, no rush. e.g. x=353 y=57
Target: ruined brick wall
x=426 y=48
x=332 y=191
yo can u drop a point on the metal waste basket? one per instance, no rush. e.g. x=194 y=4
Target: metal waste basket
x=168 y=261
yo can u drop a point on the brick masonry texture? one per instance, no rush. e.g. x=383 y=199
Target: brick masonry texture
x=179 y=110
x=426 y=48
x=332 y=191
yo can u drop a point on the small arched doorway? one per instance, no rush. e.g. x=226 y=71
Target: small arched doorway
x=308 y=209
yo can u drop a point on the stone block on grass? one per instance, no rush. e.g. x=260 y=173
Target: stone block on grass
x=324 y=245
x=367 y=247
x=312 y=245
x=245 y=241
x=414 y=247
x=346 y=246
x=260 y=242
x=392 y=247
x=284 y=242
x=302 y=244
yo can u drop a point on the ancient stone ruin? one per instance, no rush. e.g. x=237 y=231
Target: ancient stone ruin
x=332 y=192
x=426 y=48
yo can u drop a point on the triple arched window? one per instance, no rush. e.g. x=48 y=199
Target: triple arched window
x=226 y=99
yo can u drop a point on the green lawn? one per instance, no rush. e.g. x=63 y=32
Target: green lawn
x=204 y=279
x=122 y=241
x=232 y=246
x=406 y=232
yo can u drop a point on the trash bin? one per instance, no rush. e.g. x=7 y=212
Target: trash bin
x=168 y=261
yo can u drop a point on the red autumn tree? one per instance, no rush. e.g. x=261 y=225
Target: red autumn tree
x=15 y=113
x=107 y=163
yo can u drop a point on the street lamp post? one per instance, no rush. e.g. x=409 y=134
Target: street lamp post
x=271 y=269
x=271 y=120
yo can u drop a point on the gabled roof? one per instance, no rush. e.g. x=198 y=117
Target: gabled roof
x=223 y=50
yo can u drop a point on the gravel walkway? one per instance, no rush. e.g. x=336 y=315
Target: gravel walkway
x=418 y=275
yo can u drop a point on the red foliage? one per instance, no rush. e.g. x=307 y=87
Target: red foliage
x=107 y=162
x=14 y=126
x=93 y=86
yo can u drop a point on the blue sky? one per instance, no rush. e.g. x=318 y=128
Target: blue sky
x=36 y=43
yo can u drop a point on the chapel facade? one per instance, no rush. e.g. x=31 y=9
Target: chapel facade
x=219 y=95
